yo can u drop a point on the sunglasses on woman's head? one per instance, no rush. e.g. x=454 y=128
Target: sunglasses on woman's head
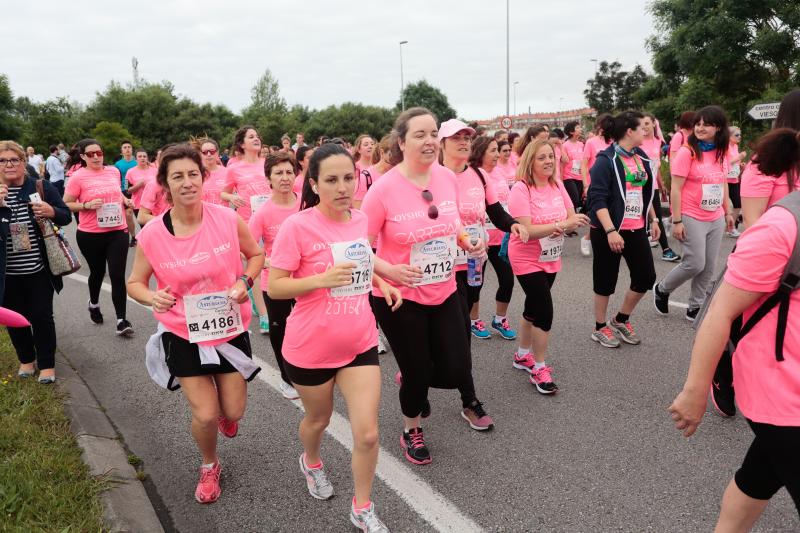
x=433 y=211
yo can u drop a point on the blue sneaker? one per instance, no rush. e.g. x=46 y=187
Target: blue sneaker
x=478 y=329
x=504 y=329
x=263 y=324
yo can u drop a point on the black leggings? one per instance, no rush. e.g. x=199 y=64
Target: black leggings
x=278 y=311
x=538 y=308
x=505 y=279
x=31 y=296
x=662 y=240
x=575 y=190
x=431 y=346
x=98 y=249
x=638 y=257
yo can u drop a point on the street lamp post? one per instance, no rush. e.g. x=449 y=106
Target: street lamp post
x=402 y=85
x=515 y=97
x=508 y=61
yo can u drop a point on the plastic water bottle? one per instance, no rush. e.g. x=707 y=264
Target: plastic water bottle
x=474 y=269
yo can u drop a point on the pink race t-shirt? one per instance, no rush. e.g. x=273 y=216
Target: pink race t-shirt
x=213 y=185
x=137 y=175
x=248 y=180
x=154 y=198
x=398 y=217
x=767 y=390
x=678 y=140
x=87 y=185
x=652 y=147
x=703 y=191
x=204 y=262
x=508 y=171
x=735 y=168
x=363 y=184
x=571 y=170
x=473 y=197
x=500 y=186
x=298 y=184
x=543 y=205
x=323 y=331
x=264 y=225
x=590 y=150
x=758 y=185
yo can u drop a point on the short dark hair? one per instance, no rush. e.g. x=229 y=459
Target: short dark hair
x=276 y=158
x=570 y=128
x=479 y=148
x=126 y=141
x=53 y=148
x=174 y=152
x=329 y=149
x=627 y=120
x=238 y=137
x=301 y=154
x=715 y=116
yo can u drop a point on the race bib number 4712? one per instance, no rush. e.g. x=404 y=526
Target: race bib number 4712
x=436 y=258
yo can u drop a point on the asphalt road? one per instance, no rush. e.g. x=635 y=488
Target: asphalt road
x=602 y=455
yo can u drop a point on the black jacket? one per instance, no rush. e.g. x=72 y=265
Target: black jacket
x=62 y=218
x=608 y=187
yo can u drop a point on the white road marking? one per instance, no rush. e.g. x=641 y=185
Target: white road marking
x=426 y=501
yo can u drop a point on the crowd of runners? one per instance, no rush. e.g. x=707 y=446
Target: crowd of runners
x=335 y=247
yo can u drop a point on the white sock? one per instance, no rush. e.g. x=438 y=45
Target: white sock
x=119 y=321
x=539 y=366
x=209 y=465
x=94 y=306
x=498 y=318
x=522 y=352
x=474 y=321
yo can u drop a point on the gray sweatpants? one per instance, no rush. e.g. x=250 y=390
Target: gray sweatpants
x=700 y=251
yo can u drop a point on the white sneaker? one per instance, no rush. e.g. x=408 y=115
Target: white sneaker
x=586 y=247
x=289 y=392
x=735 y=233
x=653 y=243
x=381 y=345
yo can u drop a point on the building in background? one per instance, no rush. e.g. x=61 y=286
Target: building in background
x=556 y=119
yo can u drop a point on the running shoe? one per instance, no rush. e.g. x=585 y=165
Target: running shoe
x=263 y=324
x=733 y=234
x=653 y=243
x=660 y=300
x=504 y=329
x=691 y=313
x=208 y=490
x=229 y=428
x=476 y=417
x=316 y=480
x=366 y=519
x=624 y=331
x=124 y=328
x=542 y=379
x=525 y=362
x=381 y=345
x=133 y=243
x=586 y=247
x=95 y=315
x=47 y=380
x=670 y=256
x=478 y=329
x=413 y=445
x=289 y=392
x=605 y=336
x=722 y=393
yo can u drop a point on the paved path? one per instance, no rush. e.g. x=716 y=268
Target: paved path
x=602 y=455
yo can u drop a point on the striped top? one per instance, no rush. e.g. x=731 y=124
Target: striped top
x=21 y=262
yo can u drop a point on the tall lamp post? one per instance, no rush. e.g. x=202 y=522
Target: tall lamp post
x=402 y=85
x=515 y=97
x=508 y=61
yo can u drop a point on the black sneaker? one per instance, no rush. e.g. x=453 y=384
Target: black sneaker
x=132 y=243
x=95 y=315
x=124 y=328
x=660 y=300
x=691 y=313
x=413 y=445
x=426 y=409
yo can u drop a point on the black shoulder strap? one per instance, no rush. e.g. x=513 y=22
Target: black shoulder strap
x=367 y=178
x=480 y=175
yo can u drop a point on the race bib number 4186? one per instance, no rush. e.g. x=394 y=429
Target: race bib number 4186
x=212 y=316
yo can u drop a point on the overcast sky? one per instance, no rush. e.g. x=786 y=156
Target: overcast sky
x=325 y=52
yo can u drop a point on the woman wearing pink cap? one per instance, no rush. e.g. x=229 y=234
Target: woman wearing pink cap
x=413 y=213
x=321 y=258
x=766 y=360
x=193 y=250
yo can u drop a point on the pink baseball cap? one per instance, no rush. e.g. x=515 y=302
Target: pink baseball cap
x=451 y=127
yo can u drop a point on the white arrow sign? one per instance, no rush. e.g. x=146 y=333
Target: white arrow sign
x=764 y=111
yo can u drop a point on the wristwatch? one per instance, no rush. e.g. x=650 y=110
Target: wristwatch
x=247 y=280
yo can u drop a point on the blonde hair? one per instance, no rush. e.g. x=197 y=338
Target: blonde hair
x=384 y=147
x=14 y=147
x=525 y=167
x=357 y=145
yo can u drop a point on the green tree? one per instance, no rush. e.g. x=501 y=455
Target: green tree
x=733 y=53
x=110 y=136
x=267 y=110
x=614 y=89
x=348 y=121
x=423 y=94
x=52 y=122
x=10 y=126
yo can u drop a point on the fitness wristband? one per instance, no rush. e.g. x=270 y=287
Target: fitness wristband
x=610 y=231
x=247 y=280
x=677 y=222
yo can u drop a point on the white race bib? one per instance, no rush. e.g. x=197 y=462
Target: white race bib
x=576 y=166
x=475 y=231
x=712 y=197
x=733 y=173
x=109 y=215
x=551 y=248
x=257 y=200
x=436 y=258
x=212 y=316
x=633 y=204
x=360 y=253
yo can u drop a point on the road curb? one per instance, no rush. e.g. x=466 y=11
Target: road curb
x=127 y=508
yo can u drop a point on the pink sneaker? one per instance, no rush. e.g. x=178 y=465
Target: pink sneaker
x=229 y=428
x=543 y=380
x=525 y=362
x=208 y=490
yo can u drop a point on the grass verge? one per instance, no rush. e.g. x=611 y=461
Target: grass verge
x=44 y=485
